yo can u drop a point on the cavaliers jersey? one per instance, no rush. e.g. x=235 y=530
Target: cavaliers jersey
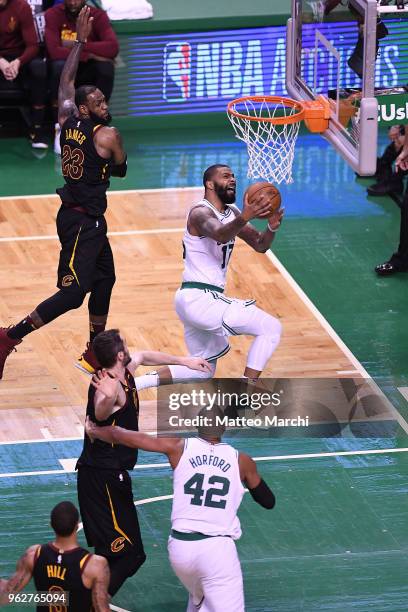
x=205 y=259
x=57 y=570
x=102 y=455
x=86 y=173
x=207 y=489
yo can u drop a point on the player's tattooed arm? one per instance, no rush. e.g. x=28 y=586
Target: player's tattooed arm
x=100 y=582
x=107 y=389
x=66 y=89
x=21 y=576
x=203 y=222
x=261 y=241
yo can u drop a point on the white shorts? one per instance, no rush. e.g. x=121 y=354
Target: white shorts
x=211 y=572
x=202 y=312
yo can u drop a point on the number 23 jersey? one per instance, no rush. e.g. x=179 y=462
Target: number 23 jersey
x=86 y=173
x=205 y=259
x=207 y=489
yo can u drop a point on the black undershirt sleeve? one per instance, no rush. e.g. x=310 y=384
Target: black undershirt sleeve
x=263 y=495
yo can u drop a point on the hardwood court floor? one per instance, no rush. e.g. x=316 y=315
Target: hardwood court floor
x=42 y=394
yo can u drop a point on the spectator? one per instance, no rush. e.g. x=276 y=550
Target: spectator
x=19 y=61
x=399 y=260
x=96 y=65
x=388 y=181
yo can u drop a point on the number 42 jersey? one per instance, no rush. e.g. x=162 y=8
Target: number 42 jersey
x=86 y=173
x=207 y=489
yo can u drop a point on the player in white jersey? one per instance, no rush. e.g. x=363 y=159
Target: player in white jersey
x=207 y=492
x=209 y=317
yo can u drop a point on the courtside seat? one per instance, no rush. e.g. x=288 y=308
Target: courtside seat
x=12 y=96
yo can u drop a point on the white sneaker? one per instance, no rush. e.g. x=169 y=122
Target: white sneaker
x=57 y=146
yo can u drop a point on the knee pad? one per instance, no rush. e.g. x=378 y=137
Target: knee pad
x=245 y=318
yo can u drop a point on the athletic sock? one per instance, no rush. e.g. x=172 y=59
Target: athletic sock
x=95 y=329
x=25 y=327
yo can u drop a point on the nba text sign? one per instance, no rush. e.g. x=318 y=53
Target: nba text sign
x=199 y=72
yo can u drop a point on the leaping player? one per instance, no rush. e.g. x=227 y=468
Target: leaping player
x=208 y=315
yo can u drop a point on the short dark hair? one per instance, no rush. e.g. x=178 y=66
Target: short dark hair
x=82 y=93
x=213 y=426
x=209 y=173
x=106 y=347
x=64 y=518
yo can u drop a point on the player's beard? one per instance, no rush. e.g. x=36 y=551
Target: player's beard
x=100 y=120
x=226 y=194
x=127 y=359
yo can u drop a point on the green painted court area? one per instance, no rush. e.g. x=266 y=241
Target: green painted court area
x=338 y=537
x=336 y=540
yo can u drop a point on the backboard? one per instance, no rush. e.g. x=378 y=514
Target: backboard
x=338 y=61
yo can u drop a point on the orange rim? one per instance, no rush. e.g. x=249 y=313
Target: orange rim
x=299 y=116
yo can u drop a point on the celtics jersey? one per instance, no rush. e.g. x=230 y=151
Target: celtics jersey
x=205 y=259
x=207 y=489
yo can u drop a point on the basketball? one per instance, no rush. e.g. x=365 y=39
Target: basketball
x=270 y=193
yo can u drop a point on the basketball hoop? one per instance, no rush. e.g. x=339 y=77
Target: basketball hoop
x=269 y=125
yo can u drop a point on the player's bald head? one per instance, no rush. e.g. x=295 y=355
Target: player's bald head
x=211 y=172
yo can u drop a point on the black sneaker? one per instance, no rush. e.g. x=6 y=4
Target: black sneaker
x=38 y=140
x=381 y=189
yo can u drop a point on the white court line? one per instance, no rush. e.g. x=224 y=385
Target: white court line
x=36 y=440
x=117 y=609
x=380 y=451
x=171 y=230
x=46 y=433
x=113 y=192
x=404 y=392
x=331 y=332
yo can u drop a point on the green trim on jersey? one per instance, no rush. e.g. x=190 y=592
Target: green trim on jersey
x=193 y=536
x=194 y=285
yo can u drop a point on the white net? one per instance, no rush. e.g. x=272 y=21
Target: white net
x=271 y=147
x=317 y=7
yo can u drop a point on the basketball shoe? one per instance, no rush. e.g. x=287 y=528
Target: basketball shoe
x=7 y=345
x=88 y=362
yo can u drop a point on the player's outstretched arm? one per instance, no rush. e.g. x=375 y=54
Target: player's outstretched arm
x=261 y=241
x=152 y=358
x=257 y=487
x=205 y=222
x=66 y=90
x=172 y=447
x=97 y=575
x=21 y=576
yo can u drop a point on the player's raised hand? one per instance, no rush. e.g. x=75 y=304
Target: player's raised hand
x=258 y=206
x=197 y=363
x=275 y=218
x=105 y=383
x=84 y=24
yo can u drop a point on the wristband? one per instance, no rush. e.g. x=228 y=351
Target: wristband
x=273 y=230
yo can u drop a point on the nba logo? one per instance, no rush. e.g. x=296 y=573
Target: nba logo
x=177 y=72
